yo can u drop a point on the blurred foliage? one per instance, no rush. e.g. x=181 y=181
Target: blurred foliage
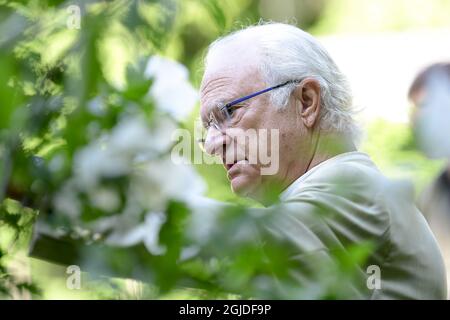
x=366 y=16
x=64 y=89
x=15 y=226
x=393 y=148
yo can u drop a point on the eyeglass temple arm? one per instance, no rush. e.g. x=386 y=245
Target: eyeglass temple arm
x=232 y=103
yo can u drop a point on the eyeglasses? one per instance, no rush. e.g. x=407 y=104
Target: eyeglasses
x=221 y=114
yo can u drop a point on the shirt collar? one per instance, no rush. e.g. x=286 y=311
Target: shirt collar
x=296 y=183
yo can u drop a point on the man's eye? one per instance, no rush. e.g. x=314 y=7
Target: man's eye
x=232 y=109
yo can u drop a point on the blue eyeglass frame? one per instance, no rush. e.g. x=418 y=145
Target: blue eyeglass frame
x=234 y=102
x=228 y=105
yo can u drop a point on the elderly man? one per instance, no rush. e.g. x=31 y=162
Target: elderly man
x=276 y=77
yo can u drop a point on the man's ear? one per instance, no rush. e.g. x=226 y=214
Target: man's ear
x=308 y=94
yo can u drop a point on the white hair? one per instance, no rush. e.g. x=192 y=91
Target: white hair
x=289 y=53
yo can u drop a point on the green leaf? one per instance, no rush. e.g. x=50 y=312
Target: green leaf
x=217 y=13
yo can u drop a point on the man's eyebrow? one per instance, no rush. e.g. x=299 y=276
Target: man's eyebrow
x=237 y=101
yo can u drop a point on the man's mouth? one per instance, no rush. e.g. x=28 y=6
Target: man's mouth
x=228 y=166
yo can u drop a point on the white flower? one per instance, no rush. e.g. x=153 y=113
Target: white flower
x=130 y=136
x=153 y=223
x=114 y=154
x=203 y=221
x=127 y=238
x=66 y=201
x=105 y=199
x=171 y=89
x=147 y=233
x=189 y=252
x=162 y=68
x=105 y=224
x=161 y=180
x=95 y=161
x=162 y=131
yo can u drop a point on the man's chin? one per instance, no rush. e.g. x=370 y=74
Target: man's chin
x=243 y=186
x=249 y=187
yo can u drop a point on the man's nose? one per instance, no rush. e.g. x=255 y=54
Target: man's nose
x=216 y=141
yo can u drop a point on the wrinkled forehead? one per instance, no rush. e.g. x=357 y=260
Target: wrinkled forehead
x=236 y=58
x=225 y=85
x=230 y=72
x=230 y=81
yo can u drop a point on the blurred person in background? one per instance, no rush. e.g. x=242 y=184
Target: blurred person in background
x=430 y=95
x=276 y=76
